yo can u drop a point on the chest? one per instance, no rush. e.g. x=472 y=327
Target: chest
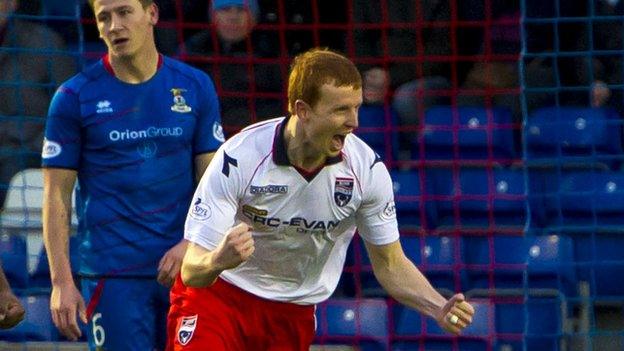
x=131 y=117
x=280 y=197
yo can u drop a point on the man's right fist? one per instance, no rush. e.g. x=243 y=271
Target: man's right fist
x=236 y=247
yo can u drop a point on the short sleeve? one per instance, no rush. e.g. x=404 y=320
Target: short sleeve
x=62 y=142
x=215 y=202
x=209 y=132
x=376 y=218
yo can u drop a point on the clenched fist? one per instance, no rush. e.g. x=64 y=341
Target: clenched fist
x=456 y=314
x=236 y=247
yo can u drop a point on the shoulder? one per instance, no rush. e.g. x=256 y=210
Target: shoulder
x=186 y=71
x=360 y=156
x=254 y=143
x=82 y=80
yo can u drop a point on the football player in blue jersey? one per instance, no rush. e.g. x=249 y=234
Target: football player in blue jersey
x=133 y=132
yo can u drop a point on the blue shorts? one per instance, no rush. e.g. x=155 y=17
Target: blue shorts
x=126 y=314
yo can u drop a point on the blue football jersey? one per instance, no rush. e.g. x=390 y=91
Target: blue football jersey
x=133 y=146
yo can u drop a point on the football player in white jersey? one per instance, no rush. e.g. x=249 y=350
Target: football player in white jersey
x=274 y=214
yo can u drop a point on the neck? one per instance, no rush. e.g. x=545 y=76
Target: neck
x=300 y=151
x=135 y=69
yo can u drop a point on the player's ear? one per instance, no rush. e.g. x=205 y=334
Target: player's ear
x=301 y=109
x=153 y=12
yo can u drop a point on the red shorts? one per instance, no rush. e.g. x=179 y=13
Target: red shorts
x=223 y=317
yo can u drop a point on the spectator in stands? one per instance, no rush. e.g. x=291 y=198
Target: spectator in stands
x=230 y=53
x=11 y=310
x=378 y=121
x=274 y=214
x=29 y=73
x=134 y=131
x=581 y=68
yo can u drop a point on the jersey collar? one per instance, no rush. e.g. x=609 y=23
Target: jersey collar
x=280 y=157
x=109 y=68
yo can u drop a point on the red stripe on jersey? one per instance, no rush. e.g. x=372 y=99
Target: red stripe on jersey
x=109 y=67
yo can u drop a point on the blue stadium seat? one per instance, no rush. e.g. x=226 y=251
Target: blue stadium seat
x=361 y=273
x=553 y=132
x=584 y=199
x=376 y=128
x=472 y=126
x=482 y=198
x=14 y=259
x=538 y=319
x=601 y=263
x=408 y=198
x=362 y=322
x=542 y=188
x=37 y=324
x=435 y=257
x=411 y=330
x=551 y=264
x=548 y=261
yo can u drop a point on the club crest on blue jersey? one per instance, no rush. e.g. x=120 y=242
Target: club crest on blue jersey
x=343 y=191
x=179 y=103
x=186 y=329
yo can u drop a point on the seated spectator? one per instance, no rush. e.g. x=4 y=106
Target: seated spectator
x=249 y=89
x=378 y=121
x=30 y=70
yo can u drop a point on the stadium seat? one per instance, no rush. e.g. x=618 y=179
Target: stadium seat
x=481 y=197
x=472 y=131
x=601 y=263
x=22 y=206
x=435 y=257
x=569 y=132
x=14 y=259
x=376 y=128
x=410 y=206
x=538 y=319
x=411 y=329
x=583 y=200
x=37 y=324
x=360 y=273
x=501 y=262
x=362 y=322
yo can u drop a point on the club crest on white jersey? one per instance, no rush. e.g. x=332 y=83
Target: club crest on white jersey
x=343 y=191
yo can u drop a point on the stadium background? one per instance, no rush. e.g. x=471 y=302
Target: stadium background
x=506 y=161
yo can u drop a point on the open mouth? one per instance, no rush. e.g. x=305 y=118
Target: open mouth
x=338 y=141
x=120 y=41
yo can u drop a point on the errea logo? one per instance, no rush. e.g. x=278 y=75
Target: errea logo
x=104 y=106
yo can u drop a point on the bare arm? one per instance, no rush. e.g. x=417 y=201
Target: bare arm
x=201 y=163
x=201 y=267
x=404 y=282
x=65 y=301
x=402 y=279
x=57 y=190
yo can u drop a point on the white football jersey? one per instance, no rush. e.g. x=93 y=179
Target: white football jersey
x=302 y=223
